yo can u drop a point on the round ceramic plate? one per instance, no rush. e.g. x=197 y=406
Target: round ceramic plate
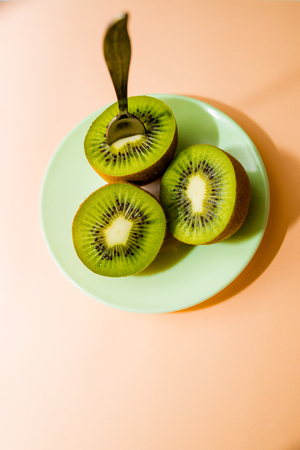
x=181 y=275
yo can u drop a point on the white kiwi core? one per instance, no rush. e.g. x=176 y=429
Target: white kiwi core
x=196 y=191
x=118 y=232
x=127 y=140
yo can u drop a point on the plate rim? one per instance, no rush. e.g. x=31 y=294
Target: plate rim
x=186 y=304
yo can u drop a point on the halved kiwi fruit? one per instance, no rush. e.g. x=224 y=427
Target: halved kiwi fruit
x=205 y=193
x=118 y=230
x=137 y=159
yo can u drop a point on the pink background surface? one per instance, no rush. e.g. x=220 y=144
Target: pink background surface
x=76 y=374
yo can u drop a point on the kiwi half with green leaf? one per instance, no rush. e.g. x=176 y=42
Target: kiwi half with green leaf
x=138 y=159
x=118 y=230
x=205 y=193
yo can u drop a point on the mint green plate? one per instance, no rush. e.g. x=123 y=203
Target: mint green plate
x=181 y=276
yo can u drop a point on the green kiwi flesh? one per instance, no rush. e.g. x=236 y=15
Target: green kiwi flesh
x=138 y=159
x=118 y=230
x=205 y=193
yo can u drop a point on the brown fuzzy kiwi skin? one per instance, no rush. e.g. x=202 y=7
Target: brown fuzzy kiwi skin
x=242 y=203
x=148 y=175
